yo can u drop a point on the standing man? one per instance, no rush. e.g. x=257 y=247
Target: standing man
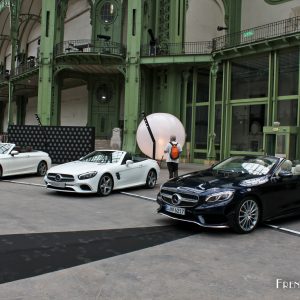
x=173 y=150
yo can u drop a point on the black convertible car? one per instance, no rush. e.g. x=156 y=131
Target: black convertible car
x=239 y=192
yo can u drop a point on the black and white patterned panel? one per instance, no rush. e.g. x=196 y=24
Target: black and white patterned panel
x=63 y=143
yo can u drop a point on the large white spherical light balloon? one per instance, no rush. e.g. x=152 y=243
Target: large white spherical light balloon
x=163 y=126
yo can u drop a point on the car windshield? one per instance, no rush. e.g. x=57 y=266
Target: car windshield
x=4 y=148
x=103 y=157
x=246 y=165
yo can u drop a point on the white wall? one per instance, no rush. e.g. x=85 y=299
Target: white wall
x=75 y=7
x=8 y=57
x=5 y=120
x=77 y=22
x=258 y=12
x=202 y=19
x=32 y=42
x=74 y=106
x=31 y=109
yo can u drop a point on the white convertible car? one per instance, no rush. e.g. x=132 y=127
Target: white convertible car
x=15 y=160
x=103 y=171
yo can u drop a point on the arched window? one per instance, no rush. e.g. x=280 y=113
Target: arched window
x=108 y=12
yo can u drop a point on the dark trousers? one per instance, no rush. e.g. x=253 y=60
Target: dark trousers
x=173 y=169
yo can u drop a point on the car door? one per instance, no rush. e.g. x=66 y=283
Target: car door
x=130 y=174
x=18 y=164
x=138 y=171
x=6 y=164
x=282 y=195
x=32 y=160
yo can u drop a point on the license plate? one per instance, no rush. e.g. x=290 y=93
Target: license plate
x=175 y=210
x=58 y=184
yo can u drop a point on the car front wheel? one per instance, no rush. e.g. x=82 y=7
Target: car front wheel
x=246 y=216
x=151 y=179
x=42 y=168
x=105 y=185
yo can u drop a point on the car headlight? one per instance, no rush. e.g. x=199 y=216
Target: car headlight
x=87 y=175
x=220 y=196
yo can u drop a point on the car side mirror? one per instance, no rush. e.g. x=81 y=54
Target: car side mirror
x=285 y=174
x=129 y=162
x=14 y=152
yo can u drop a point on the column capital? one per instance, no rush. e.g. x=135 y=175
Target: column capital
x=214 y=68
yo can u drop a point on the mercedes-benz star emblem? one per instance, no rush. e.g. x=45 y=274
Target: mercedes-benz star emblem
x=176 y=199
x=58 y=177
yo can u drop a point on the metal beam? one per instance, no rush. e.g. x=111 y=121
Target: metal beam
x=26 y=17
x=4 y=37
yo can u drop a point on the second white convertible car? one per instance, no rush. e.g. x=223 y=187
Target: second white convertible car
x=15 y=160
x=103 y=171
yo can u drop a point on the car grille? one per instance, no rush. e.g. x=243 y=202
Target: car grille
x=60 y=177
x=188 y=198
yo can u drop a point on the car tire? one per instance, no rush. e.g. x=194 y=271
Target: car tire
x=42 y=168
x=246 y=216
x=151 y=179
x=1 y=172
x=105 y=185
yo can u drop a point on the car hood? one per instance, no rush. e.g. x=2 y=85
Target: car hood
x=79 y=167
x=207 y=179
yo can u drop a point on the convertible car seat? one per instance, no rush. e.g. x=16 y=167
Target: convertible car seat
x=17 y=148
x=296 y=170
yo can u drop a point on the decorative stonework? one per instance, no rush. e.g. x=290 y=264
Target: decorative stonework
x=27 y=17
x=214 y=68
x=92 y=7
x=164 y=21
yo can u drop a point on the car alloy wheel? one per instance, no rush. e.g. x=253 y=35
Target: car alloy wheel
x=246 y=216
x=42 y=168
x=105 y=185
x=151 y=179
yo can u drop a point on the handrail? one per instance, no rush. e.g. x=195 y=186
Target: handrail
x=3 y=77
x=4 y=74
x=276 y=29
x=256 y=34
x=31 y=64
x=171 y=49
x=90 y=46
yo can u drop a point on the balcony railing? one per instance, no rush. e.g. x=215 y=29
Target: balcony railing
x=168 y=49
x=272 y=30
x=280 y=28
x=3 y=77
x=31 y=64
x=90 y=46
